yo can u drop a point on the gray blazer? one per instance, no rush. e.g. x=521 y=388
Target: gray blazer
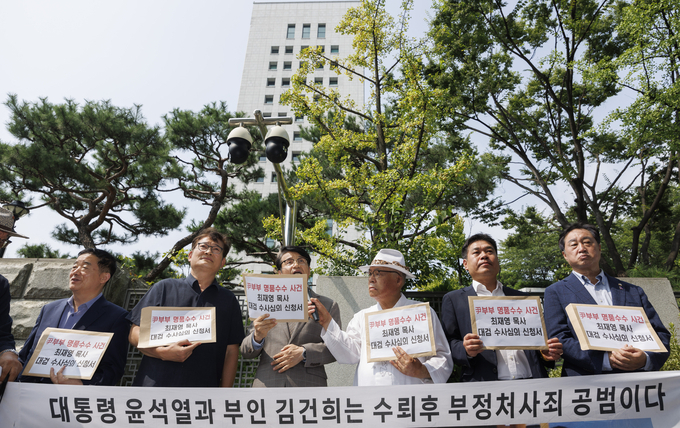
x=309 y=373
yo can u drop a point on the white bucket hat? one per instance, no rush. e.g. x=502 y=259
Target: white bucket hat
x=392 y=259
x=7 y=223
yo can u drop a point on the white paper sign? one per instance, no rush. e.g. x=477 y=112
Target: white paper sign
x=283 y=297
x=510 y=322
x=608 y=328
x=78 y=350
x=409 y=327
x=161 y=326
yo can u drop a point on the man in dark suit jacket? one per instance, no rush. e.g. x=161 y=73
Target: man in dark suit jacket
x=9 y=357
x=481 y=261
x=588 y=284
x=291 y=354
x=86 y=310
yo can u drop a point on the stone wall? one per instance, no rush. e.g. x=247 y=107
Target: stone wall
x=36 y=282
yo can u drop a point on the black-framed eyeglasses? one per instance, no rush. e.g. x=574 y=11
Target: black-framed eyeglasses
x=4 y=243
x=209 y=248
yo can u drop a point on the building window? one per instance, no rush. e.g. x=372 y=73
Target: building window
x=296 y=136
x=267 y=114
x=296 y=157
x=272 y=65
x=291 y=31
x=302 y=64
x=259 y=180
x=318 y=80
x=282 y=114
x=306 y=30
x=263 y=158
x=333 y=81
x=273 y=179
x=319 y=65
x=270 y=243
x=285 y=82
x=335 y=49
x=271 y=82
x=289 y=49
x=302 y=48
x=269 y=99
x=321 y=31
x=287 y=65
x=299 y=119
x=321 y=48
x=275 y=49
x=329 y=227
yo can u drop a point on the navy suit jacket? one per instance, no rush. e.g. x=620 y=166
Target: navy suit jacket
x=570 y=290
x=6 y=338
x=456 y=322
x=103 y=316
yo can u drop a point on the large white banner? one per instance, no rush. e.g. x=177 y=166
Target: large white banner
x=636 y=400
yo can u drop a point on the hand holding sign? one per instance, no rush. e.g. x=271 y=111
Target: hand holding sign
x=627 y=358
x=59 y=378
x=177 y=352
x=261 y=327
x=408 y=365
x=473 y=345
x=554 y=351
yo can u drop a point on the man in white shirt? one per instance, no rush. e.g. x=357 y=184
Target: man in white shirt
x=386 y=277
x=588 y=284
x=480 y=259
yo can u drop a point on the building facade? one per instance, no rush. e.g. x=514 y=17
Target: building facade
x=278 y=32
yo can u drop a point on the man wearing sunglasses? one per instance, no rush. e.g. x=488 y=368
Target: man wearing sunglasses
x=9 y=358
x=386 y=277
x=187 y=364
x=291 y=354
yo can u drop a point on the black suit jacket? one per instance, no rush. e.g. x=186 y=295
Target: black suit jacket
x=570 y=290
x=103 y=316
x=456 y=322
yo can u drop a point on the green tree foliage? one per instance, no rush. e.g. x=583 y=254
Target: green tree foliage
x=243 y=222
x=522 y=77
x=140 y=264
x=383 y=169
x=649 y=69
x=530 y=256
x=673 y=361
x=41 y=251
x=97 y=165
x=204 y=173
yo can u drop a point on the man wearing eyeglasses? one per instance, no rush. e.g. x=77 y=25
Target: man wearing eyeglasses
x=291 y=354
x=386 y=277
x=187 y=364
x=9 y=358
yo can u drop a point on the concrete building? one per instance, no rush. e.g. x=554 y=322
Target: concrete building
x=278 y=32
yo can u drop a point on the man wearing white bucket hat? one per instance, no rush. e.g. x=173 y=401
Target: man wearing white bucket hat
x=386 y=277
x=9 y=358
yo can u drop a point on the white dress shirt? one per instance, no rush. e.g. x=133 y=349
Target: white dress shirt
x=511 y=364
x=348 y=348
